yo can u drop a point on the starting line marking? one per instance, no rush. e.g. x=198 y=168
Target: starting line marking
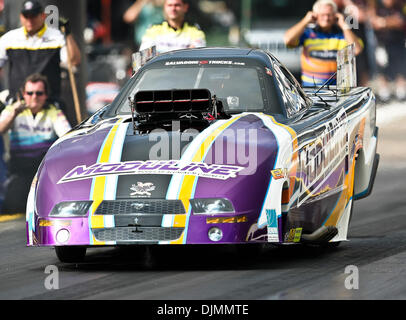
x=11 y=217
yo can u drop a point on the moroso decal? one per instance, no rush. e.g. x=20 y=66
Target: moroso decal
x=165 y=167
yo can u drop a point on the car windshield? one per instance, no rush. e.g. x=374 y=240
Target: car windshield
x=239 y=88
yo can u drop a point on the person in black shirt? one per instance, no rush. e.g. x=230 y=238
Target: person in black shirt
x=389 y=24
x=36 y=48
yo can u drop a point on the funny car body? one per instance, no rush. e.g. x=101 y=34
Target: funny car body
x=208 y=146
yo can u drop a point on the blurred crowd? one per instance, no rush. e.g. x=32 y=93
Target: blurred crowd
x=381 y=24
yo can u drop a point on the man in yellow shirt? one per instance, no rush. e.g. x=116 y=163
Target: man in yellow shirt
x=174 y=33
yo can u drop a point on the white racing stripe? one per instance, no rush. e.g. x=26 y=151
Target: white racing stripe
x=285 y=150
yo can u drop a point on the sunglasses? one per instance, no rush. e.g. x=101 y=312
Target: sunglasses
x=38 y=93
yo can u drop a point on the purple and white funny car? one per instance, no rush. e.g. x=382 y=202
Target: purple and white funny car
x=208 y=146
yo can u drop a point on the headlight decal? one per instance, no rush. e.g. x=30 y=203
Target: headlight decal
x=211 y=206
x=71 y=209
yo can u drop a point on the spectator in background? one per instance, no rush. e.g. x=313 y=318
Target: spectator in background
x=388 y=22
x=358 y=12
x=33 y=125
x=3 y=168
x=174 y=33
x=321 y=42
x=3 y=171
x=143 y=13
x=36 y=48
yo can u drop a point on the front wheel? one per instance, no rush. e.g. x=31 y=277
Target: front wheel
x=70 y=254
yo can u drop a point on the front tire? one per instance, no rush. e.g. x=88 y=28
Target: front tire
x=70 y=254
x=333 y=244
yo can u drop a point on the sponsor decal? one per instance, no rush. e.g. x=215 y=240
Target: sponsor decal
x=290 y=236
x=279 y=174
x=202 y=62
x=139 y=205
x=142 y=189
x=239 y=219
x=177 y=63
x=272 y=225
x=298 y=235
x=268 y=71
x=294 y=235
x=346 y=69
x=168 y=167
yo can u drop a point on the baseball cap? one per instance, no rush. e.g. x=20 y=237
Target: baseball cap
x=32 y=8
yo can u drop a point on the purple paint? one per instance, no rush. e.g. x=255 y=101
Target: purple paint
x=246 y=192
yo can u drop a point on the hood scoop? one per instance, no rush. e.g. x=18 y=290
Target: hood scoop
x=192 y=108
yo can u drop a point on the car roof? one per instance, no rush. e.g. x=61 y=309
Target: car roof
x=217 y=53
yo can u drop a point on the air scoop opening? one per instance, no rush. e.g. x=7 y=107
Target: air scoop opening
x=193 y=108
x=173 y=101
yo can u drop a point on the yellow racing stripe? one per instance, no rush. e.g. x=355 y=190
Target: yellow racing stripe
x=99 y=183
x=11 y=217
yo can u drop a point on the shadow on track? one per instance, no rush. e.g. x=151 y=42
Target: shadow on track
x=198 y=257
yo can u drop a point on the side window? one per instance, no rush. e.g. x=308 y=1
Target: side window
x=303 y=99
x=293 y=98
